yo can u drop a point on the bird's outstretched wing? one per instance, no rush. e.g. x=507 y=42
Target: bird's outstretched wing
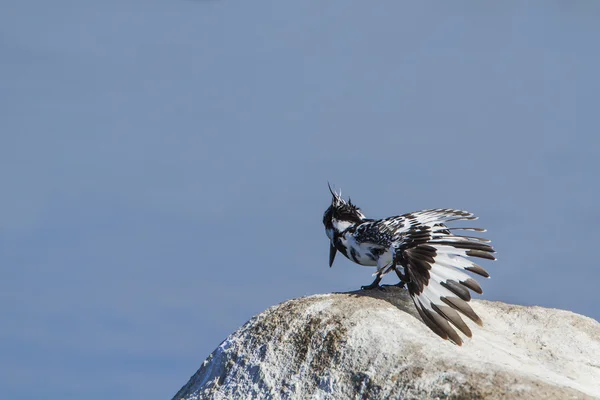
x=434 y=260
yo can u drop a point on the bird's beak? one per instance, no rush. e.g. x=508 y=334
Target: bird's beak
x=332 y=251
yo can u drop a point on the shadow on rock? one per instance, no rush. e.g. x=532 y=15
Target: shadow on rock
x=394 y=295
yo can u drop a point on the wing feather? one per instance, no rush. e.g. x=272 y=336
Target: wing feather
x=434 y=260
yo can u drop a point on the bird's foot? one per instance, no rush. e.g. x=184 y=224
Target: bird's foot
x=374 y=285
x=398 y=285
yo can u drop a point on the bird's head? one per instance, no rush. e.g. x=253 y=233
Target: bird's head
x=338 y=217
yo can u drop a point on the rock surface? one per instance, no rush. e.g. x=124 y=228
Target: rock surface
x=374 y=346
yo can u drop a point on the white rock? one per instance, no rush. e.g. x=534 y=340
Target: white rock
x=374 y=346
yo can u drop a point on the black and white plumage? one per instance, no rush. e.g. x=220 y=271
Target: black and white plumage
x=428 y=257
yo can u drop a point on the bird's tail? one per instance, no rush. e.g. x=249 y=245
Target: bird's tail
x=437 y=266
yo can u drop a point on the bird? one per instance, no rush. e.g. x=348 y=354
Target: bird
x=429 y=258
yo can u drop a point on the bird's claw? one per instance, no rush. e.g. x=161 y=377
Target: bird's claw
x=371 y=287
x=398 y=285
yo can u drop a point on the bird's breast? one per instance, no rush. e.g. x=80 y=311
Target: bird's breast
x=362 y=253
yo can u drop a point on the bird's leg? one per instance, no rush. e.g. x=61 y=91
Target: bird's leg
x=403 y=278
x=381 y=270
x=374 y=285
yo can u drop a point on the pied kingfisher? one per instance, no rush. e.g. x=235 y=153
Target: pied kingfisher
x=431 y=257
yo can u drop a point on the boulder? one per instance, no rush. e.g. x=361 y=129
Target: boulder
x=373 y=345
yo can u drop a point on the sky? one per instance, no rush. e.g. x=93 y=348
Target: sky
x=164 y=166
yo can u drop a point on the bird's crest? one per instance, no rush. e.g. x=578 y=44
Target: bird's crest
x=341 y=209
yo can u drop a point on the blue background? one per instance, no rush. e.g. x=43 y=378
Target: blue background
x=164 y=165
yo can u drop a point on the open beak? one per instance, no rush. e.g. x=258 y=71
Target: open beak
x=332 y=251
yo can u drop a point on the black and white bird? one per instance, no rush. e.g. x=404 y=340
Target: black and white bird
x=425 y=254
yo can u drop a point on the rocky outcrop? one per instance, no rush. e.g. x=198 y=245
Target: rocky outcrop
x=373 y=345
